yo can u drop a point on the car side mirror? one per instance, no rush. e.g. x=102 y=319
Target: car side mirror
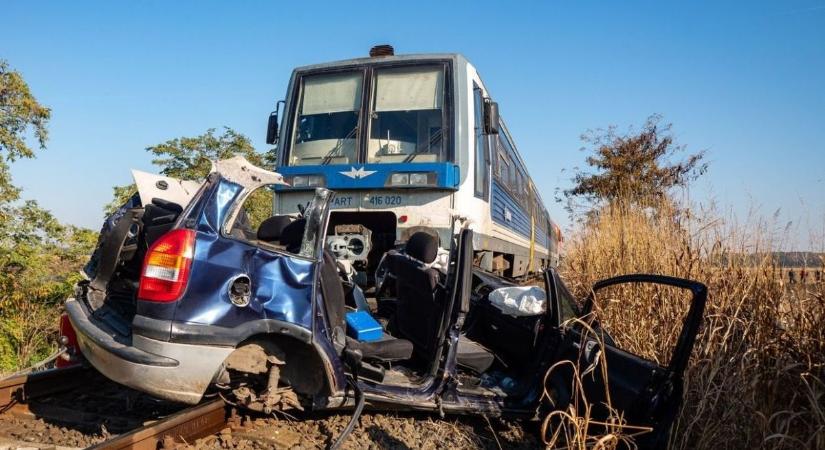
x=272 y=128
x=491 y=119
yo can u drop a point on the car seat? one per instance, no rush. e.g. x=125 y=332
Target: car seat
x=270 y=230
x=421 y=302
x=332 y=291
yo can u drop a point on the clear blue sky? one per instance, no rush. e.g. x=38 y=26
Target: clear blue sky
x=743 y=80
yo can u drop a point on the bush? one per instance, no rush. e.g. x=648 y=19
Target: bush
x=40 y=262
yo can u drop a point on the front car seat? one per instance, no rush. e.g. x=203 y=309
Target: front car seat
x=270 y=230
x=421 y=303
x=332 y=290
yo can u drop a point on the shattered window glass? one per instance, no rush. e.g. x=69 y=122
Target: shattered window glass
x=316 y=215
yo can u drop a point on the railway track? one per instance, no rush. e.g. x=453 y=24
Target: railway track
x=77 y=408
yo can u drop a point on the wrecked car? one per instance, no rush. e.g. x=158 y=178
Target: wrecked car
x=187 y=294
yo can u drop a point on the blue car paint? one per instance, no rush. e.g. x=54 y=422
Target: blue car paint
x=281 y=284
x=372 y=176
x=282 y=289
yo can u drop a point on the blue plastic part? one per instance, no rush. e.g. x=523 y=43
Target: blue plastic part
x=361 y=326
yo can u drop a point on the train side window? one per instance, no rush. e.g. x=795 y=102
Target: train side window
x=482 y=160
x=504 y=169
x=506 y=154
x=513 y=185
x=516 y=181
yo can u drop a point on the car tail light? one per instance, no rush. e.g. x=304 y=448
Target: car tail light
x=166 y=266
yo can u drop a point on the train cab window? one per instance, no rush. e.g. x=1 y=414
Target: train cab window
x=482 y=160
x=407 y=120
x=326 y=128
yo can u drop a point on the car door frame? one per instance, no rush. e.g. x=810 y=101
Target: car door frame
x=658 y=401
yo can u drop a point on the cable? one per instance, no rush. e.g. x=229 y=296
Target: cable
x=359 y=407
x=37 y=365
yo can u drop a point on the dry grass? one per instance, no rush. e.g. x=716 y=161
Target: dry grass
x=575 y=426
x=755 y=379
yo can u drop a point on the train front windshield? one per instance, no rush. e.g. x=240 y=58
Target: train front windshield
x=407 y=116
x=328 y=127
x=404 y=120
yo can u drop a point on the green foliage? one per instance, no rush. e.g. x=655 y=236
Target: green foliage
x=119 y=197
x=39 y=265
x=633 y=167
x=190 y=158
x=39 y=257
x=19 y=111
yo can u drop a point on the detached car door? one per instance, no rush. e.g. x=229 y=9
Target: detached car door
x=647 y=393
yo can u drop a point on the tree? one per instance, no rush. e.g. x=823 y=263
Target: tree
x=40 y=258
x=632 y=168
x=190 y=158
x=20 y=112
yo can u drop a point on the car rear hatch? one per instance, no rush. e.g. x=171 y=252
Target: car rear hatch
x=113 y=271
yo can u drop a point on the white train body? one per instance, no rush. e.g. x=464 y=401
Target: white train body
x=403 y=142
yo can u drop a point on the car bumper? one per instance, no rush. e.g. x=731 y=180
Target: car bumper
x=177 y=372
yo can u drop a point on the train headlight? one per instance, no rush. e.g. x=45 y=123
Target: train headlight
x=418 y=179
x=412 y=179
x=399 y=179
x=307 y=181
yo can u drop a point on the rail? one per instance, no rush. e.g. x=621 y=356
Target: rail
x=183 y=426
x=16 y=391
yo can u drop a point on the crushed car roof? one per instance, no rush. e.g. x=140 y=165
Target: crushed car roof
x=238 y=170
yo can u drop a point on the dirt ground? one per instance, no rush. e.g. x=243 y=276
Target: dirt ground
x=374 y=431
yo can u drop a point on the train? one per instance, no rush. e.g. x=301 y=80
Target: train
x=409 y=143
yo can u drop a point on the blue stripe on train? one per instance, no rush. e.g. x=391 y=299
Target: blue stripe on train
x=372 y=176
x=508 y=213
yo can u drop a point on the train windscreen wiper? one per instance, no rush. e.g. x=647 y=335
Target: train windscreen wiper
x=332 y=153
x=424 y=148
